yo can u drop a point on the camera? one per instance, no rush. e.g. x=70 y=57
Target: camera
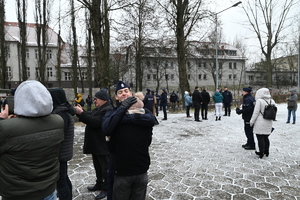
x=10 y=101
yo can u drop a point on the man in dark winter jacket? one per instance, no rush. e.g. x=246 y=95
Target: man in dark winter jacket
x=173 y=100
x=131 y=136
x=197 y=102
x=227 y=100
x=94 y=140
x=30 y=145
x=247 y=111
x=64 y=109
x=205 y=101
x=148 y=100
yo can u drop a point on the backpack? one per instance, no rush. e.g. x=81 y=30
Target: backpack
x=270 y=111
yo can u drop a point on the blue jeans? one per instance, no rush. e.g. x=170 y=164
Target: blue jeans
x=289 y=115
x=50 y=196
x=130 y=187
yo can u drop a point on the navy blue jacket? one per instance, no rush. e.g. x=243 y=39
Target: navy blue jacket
x=227 y=96
x=248 y=107
x=130 y=136
x=148 y=101
x=163 y=99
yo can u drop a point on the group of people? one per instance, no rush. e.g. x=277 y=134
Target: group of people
x=36 y=141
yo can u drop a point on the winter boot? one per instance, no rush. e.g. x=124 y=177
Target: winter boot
x=216 y=118
x=220 y=118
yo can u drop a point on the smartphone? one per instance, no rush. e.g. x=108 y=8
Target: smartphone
x=10 y=101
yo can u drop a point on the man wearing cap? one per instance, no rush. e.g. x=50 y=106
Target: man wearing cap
x=130 y=136
x=164 y=102
x=94 y=140
x=247 y=111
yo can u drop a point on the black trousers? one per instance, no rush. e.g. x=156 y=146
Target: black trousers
x=204 y=109
x=187 y=110
x=227 y=108
x=164 y=108
x=101 y=165
x=263 y=143
x=249 y=134
x=196 y=113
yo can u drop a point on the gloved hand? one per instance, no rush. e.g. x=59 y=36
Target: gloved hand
x=128 y=102
x=238 y=111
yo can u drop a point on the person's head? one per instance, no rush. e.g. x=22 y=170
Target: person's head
x=138 y=105
x=139 y=95
x=122 y=91
x=186 y=92
x=147 y=91
x=163 y=90
x=32 y=99
x=152 y=93
x=79 y=95
x=292 y=92
x=247 y=90
x=196 y=88
x=225 y=88
x=58 y=96
x=101 y=97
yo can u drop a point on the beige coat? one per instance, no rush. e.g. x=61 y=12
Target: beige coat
x=261 y=126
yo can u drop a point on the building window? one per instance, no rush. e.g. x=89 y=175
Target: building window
x=27 y=53
x=204 y=77
x=9 y=74
x=220 y=65
x=251 y=78
x=200 y=76
x=148 y=77
x=204 y=65
x=234 y=76
x=199 y=64
x=36 y=53
x=84 y=75
x=172 y=65
x=172 y=76
x=189 y=77
x=230 y=65
x=166 y=65
x=167 y=76
x=49 y=54
x=28 y=72
x=148 y=63
x=189 y=64
x=67 y=76
x=230 y=76
x=37 y=72
x=154 y=76
x=8 y=51
x=234 y=65
x=49 y=72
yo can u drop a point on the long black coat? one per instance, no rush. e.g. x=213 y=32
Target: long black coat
x=94 y=138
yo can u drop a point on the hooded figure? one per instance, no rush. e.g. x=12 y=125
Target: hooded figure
x=30 y=145
x=262 y=127
x=292 y=106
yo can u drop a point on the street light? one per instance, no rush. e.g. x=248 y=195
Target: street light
x=217 y=62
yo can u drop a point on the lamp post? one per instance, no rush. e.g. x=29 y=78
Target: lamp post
x=217 y=62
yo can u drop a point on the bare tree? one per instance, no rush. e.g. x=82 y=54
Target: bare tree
x=136 y=26
x=3 y=46
x=267 y=19
x=100 y=28
x=182 y=16
x=59 y=48
x=22 y=14
x=42 y=18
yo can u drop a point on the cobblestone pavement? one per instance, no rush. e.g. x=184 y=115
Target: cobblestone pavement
x=206 y=161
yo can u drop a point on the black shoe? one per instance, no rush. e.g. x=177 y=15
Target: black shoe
x=225 y=115
x=293 y=122
x=93 y=188
x=101 y=195
x=247 y=147
x=260 y=154
x=164 y=119
x=220 y=118
x=244 y=145
x=267 y=154
x=287 y=122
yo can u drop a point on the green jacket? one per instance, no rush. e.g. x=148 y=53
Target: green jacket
x=29 y=150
